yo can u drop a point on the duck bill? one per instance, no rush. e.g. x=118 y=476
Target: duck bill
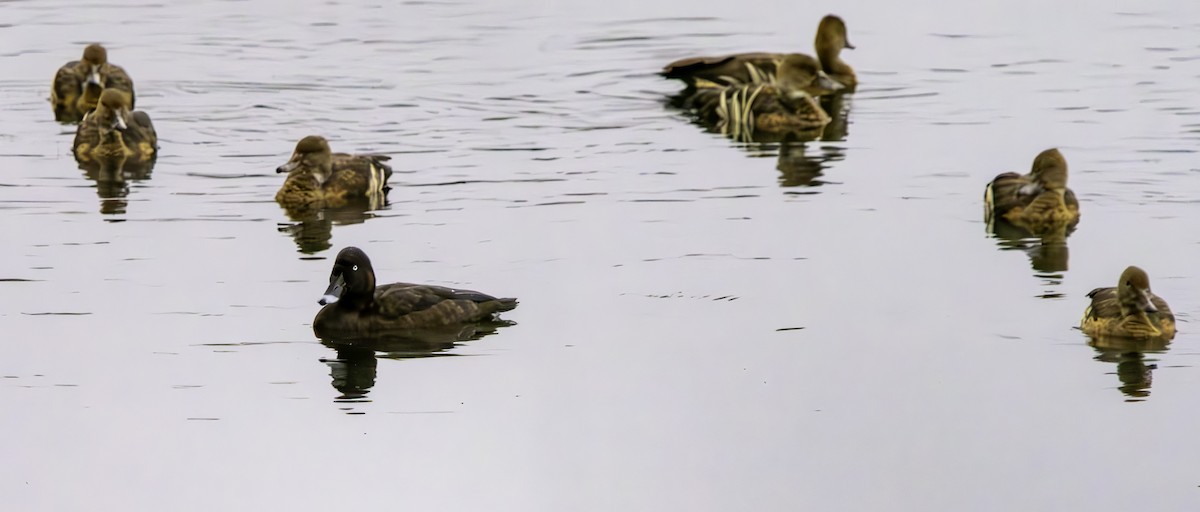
x=288 y=167
x=334 y=292
x=1146 y=304
x=828 y=84
x=848 y=45
x=93 y=78
x=119 y=122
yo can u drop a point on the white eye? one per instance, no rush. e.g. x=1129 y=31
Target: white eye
x=355 y=268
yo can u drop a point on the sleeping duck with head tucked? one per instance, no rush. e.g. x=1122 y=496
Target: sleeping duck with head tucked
x=319 y=178
x=78 y=84
x=111 y=134
x=1039 y=202
x=758 y=67
x=752 y=111
x=1129 y=310
x=355 y=307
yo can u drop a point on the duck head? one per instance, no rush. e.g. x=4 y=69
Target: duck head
x=831 y=37
x=1049 y=173
x=95 y=58
x=1133 y=292
x=352 y=278
x=111 y=111
x=312 y=155
x=800 y=71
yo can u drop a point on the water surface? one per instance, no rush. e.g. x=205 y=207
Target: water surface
x=704 y=324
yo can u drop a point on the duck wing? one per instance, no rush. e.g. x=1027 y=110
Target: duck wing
x=1104 y=304
x=737 y=69
x=118 y=79
x=86 y=134
x=359 y=175
x=1003 y=193
x=429 y=305
x=67 y=83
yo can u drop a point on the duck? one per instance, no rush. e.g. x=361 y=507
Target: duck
x=1038 y=202
x=758 y=67
x=1128 y=310
x=77 y=85
x=319 y=178
x=113 y=134
x=353 y=306
x=781 y=107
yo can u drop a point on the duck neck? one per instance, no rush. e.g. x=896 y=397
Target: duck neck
x=831 y=60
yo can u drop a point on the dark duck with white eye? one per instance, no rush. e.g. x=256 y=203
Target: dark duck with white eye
x=355 y=307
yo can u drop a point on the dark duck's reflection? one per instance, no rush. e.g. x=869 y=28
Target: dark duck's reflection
x=353 y=369
x=325 y=188
x=1034 y=212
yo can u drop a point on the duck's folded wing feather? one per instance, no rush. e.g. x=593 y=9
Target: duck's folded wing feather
x=118 y=79
x=437 y=305
x=1104 y=303
x=67 y=83
x=1002 y=192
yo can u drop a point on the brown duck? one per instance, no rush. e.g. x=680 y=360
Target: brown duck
x=111 y=134
x=748 y=68
x=78 y=84
x=319 y=178
x=1129 y=310
x=355 y=307
x=781 y=107
x=1039 y=202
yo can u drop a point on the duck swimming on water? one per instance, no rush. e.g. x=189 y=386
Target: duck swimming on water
x=1039 y=202
x=1128 y=310
x=78 y=84
x=759 y=67
x=355 y=307
x=319 y=178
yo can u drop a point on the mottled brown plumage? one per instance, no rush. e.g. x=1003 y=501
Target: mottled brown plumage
x=1039 y=202
x=356 y=307
x=750 y=110
x=759 y=67
x=1129 y=310
x=113 y=135
x=318 y=178
x=78 y=84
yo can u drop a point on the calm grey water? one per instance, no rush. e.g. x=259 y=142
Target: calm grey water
x=703 y=325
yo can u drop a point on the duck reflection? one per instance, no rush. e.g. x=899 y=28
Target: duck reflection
x=837 y=106
x=1134 y=368
x=353 y=369
x=833 y=109
x=113 y=179
x=312 y=228
x=1048 y=253
x=798 y=168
